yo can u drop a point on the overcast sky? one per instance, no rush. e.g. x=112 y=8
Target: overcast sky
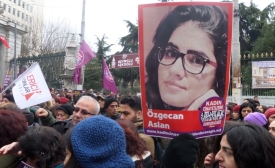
x=105 y=16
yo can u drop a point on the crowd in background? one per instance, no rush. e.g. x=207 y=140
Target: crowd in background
x=90 y=129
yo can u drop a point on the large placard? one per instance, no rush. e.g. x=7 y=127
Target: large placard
x=185 y=50
x=263 y=74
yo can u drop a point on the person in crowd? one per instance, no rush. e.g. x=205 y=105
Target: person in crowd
x=85 y=107
x=63 y=100
x=70 y=160
x=29 y=118
x=257 y=118
x=136 y=147
x=100 y=142
x=130 y=107
x=262 y=108
x=235 y=113
x=12 y=127
x=251 y=101
x=111 y=106
x=271 y=128
x=270 y=114
x=245 y=109
x=190 y=47
x=101 y=101
x=8 y=98
x=256 y=99
x=246 y=146
x=229 y=111
x=63 y=112
x=41 y=147
x=48 y=105
x=9 y=106
x=53 y=109
x=181 y=152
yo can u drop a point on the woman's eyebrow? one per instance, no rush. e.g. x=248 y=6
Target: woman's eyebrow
x=170 y=44
x=197 y=53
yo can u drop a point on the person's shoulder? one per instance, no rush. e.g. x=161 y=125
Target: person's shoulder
x=62 y=126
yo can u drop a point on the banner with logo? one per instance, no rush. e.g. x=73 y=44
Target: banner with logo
x=125 y=60
x=85 y=54
x=108 y=81
x=263 y=74
x=185 y=50
x=8 y=78
x=31 y=88
x=4 y=41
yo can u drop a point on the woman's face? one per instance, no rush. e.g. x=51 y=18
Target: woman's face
x=261 y=109
x=177 y=86
x=61 y=115
x=272 y=128
x=225 y=156
x=235 y=115
x=227 y=111
x=246 y=111
x=271 y=118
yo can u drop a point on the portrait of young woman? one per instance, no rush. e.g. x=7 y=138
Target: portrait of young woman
x=186 y=64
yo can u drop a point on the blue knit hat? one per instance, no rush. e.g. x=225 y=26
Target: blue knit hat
x=100 y=142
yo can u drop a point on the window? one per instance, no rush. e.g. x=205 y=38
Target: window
x=27 y=7
x=23 y=15
x=27 y=18
x=30 y=19
x=9 y=9
x=4 y=6
x=13 y=12
x=19 y=2
x=18 y=13
x=14 y=1
x=30 y=8
x=23 y=5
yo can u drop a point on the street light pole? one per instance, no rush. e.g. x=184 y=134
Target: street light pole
x=14 y=70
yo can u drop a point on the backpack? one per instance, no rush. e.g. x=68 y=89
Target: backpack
x=158 y=150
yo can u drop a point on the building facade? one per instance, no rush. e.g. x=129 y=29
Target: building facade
x=19 y=14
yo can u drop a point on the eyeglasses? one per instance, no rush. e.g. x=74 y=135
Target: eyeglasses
x=82 y=112
x=191 y=62
x=272 y=128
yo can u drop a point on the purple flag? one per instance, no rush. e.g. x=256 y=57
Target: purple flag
x=107 y=78
x=85 y=54
x=7 y=78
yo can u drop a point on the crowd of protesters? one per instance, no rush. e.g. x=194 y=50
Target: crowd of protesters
x=89 y=129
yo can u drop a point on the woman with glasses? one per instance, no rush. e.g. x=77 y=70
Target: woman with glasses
x=187 y=63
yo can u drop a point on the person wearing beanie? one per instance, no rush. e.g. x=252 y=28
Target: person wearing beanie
x=8 y=98
x=63 y=100
x=100 y=142
x=270 y=114
x=181 y=152
x=235 y=114
x=256 y=118
x=111 y=105
x=64 y=112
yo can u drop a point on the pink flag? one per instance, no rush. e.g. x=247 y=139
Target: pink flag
x=107 y=78
x=85 y=54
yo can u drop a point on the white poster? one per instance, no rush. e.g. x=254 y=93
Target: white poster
x=263 y=74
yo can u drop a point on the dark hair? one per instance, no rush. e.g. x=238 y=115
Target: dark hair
x=72 y=162
x=132 y=101
x=252 y=145
x=244 y=105
x=229 y=107
x=264 y=108
x=29 y=116
x=44 y=144
x=210 y=18
x=251 y=101
x=9 y=97
x=12 y=126
x=135 y=145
